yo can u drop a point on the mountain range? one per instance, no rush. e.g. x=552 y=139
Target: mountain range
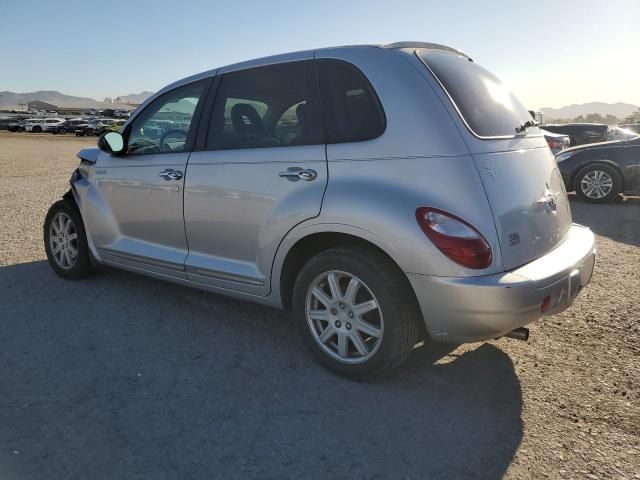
x=12 y=100
x=620 y=110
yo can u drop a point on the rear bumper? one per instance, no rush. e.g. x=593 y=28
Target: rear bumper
x=479 y=308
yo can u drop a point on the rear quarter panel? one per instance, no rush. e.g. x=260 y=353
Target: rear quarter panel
x=420 y=160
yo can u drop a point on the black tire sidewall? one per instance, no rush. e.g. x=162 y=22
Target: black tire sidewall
x=83 y=265
x=612 y=172
x=396 y=305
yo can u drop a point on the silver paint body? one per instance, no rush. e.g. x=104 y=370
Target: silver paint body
x=229 y=223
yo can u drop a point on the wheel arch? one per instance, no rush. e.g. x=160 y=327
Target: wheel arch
x=597 y=161
x=295 y=251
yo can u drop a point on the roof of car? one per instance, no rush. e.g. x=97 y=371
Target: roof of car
x=293 y=56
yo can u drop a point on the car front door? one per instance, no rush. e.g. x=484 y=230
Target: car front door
x=141 y=225
x=261 y=171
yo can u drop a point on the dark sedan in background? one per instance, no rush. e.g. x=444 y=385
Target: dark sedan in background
x=70 y=125
x=600 y=171
x=581 y=133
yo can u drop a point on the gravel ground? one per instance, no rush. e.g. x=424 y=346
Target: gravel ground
x=125 y=377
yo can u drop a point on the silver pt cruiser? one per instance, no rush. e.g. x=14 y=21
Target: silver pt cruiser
x=383 y=193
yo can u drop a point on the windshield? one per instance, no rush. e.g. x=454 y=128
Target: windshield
x=485 y=105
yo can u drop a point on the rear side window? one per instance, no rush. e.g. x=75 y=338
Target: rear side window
x=486 y=106
x=270 y=106
x=351 y=108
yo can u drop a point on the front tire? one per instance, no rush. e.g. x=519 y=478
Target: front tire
x=65 y=241
x=356 y=312
x=597 y=183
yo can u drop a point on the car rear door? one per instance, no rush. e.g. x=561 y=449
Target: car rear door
x=140 y=193
x=260 y=171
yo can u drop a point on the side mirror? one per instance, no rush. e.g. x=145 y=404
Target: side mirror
x=111 y=142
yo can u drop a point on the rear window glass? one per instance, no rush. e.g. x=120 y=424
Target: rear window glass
x=487 y=107
x=351 y=107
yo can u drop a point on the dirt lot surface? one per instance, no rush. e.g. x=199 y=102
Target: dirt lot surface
x=125 y=377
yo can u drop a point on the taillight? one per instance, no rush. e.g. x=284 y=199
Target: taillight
x=555 y=144
x=454 y=237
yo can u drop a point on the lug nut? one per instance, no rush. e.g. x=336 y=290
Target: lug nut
x=348 y=325
x=338 y=324
x=334 y=311
x=350 y=314
x=342 y=305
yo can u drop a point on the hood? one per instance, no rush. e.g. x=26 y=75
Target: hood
x=89 y=154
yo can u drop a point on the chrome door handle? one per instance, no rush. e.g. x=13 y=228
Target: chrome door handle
x=171 y=174
x=296 y=173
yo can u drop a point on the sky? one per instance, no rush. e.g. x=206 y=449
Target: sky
x=550 y=53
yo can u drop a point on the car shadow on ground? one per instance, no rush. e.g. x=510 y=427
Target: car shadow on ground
x=622 y=227
x=120 y=376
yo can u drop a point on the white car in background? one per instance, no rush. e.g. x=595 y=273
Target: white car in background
x=43 y=124
x=620 y=133
x=122 y=114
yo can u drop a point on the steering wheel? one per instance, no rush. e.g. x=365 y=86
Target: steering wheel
x=161 y=145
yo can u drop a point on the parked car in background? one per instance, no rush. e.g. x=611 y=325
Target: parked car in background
x=16 y=124
x=88 y=128
x=635 y=127
x=51 y=125
x=365 y=227
x=600 y=171
x=69 y=126
x=620 y=133
x=114 y=127
x=42 y=124
x=556 y=141
x=121 y=114
x=105 y=124
x=581 y=133
x=30 y=123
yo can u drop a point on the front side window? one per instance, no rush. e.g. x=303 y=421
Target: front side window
x=351 y=108
x=271 y=106
x=165 y=125
x=486 y=106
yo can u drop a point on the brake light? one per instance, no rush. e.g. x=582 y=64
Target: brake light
x=454 y=237
x=555 y=144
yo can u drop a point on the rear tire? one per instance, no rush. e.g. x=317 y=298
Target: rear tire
x=373 y=342
x=65 y=241
x=597 y=183
x=36 y=130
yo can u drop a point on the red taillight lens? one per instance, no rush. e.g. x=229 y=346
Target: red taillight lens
x=454 y=237
x=555 y=144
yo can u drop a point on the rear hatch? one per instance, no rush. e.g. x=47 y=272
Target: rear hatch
x=519 y=174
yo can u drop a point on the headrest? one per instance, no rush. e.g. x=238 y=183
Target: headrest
x=246 y=120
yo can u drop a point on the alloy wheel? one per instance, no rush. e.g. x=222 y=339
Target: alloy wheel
x=596 y=184
x=344 y=317
x=63 y=240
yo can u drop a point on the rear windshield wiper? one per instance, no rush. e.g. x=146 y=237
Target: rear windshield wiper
x=527 y=124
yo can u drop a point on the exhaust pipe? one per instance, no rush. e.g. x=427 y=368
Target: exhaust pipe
x=521 y=333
